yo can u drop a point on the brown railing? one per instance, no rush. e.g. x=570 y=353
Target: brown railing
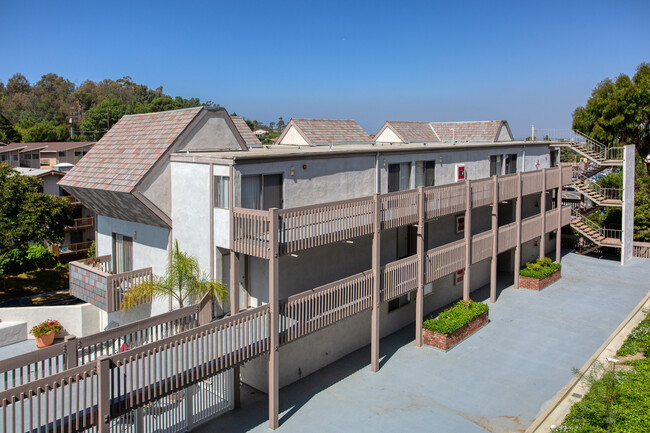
x=79 y=247
x=552 y=180
x=444 y=260
x=399 y=278
x=81 y=224
x=507 y=237
x=399 y=208
x=251 y=229
x=531 y=181
x=531 y=228
x=315 y=309
x=482 y=192
x=119 y=284
x=481 y=246
x=312 y=226
x=508 y=186
x=642 y=250
x=73 y=201
x=444 y=200
x=551 y=220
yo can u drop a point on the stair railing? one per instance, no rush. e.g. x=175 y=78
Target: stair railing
x=607 y=193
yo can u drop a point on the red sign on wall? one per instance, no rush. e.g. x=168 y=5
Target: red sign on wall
x=460 y=172
x=459 y=276
x=460 y=223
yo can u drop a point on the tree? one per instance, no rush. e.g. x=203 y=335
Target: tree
x=618 y=112
x=280 y=125
x=26 y=214
x=182 y=281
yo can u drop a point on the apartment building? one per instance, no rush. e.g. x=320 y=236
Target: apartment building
x=44 y=155
x=328 y=239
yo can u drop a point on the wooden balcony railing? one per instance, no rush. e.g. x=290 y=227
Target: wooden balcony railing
x=316 y=225
x=399 y=278
x=66 y=249
x=81 y=224
x=73 y=201
x=642 y=250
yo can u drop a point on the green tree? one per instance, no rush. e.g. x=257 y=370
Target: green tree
x=183 y=281
x=618 y=112
x=96 y=121
x=26 y=214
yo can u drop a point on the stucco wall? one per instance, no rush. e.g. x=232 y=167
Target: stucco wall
x=79 y=320
x=628 y=204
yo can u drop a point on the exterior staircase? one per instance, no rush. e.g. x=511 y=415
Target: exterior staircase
x=597 y=235
x=601 y=196
x=583 y=144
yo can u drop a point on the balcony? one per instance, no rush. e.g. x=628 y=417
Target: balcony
x=96 y=283
x=73 y=201
x=63 y=250
x=80 y=224
x=316 y=225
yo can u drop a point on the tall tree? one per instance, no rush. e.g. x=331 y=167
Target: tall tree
x=618 y=112
x=26 y=214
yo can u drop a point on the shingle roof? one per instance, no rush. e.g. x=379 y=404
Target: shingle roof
x=46 y=146
x=414 y=131
x=128 y=150
x=485 y=130
x=331 y=131
x=249 y=138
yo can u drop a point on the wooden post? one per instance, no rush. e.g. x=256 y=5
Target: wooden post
x=103 y=393
x=234 y=280
x=558 y=206
x=274 y=306
x=376 y=285
x=419 y=300
x=189 y=407
x=71 y=360
x=495 y=236
x=468 y=238
x=518 y=224
x=542 y=212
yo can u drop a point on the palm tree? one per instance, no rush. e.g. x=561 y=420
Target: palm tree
x=183 y=281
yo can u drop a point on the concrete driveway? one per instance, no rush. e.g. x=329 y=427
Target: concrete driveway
x=498 y=380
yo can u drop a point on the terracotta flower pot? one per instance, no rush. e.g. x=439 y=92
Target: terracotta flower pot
x=45 y=340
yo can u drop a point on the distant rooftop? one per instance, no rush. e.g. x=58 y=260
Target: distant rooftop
x=319 y=132
x=470 y=131
x=58 y=146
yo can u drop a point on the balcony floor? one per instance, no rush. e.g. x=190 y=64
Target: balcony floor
x=498 y=380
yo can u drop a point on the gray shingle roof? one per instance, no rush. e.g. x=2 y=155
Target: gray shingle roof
x=414 y=131
x=485 y=130
x=128 y=150
x=330 y=131
x=249 y=138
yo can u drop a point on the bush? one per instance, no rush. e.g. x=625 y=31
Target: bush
x=638 y=340
x=39 y=257
x=15 y=262
x=455 y=316
x=541 y=268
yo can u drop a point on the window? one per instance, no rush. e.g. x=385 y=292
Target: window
x=398 y=176
x=15 y=158
x=399 y=302
x=221 y=192
x=27 y=156
x=261 y=191
x=62 y=154
x=428 y=288
x=496 y=165
x=3 y=158
x=511 y=163
x=122 y=253
x=425 y=173
x=554 y=158
x=35 y=156
x=77 y=153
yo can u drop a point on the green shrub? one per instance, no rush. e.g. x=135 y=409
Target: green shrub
x=15 y=262
x=542 y=267
x=39 y=257
x=455 y=316
x=638 y=340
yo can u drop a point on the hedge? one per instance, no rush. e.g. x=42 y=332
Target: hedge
x=455 y=316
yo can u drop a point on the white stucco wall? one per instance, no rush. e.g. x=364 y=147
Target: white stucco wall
x=628 y=204
x=388 y=136
x=79 y=320
x=293 y=137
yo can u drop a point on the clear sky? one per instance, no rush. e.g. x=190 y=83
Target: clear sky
x=522 y=61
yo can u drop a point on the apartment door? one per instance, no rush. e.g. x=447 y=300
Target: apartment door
x=261 y=191
x=398 y=176
x=122 y=253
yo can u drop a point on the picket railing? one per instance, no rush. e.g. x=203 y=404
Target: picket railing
x=399 y=278
x=481 y=246
x=641 y=250
x=251 y=229
x=531 y=228
x=398 y=208
x=119 y=284
x=444 y=200
x=507 y=237
x=444 y=260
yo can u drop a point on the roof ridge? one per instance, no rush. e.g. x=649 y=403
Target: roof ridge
x=200 y=107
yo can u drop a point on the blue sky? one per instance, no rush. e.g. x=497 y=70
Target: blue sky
x=526 y=62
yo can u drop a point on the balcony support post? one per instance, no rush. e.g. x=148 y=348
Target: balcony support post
x=518 y=235
x=542 y=211
x=376 y=284
x=274 y=307
x=103 y=394
x=234 y=281
x=495 y=236
x=468 y=239
x=558 y=206
x=419 y=300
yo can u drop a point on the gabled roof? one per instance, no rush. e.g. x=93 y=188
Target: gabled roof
x=129 y=150
x=485 y=130
x=58 y=146
x=474 y=131
x=37 y=172
x=250 y=139
x=327 y=131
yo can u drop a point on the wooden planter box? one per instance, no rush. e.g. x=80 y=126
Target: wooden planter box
x=539 y=283
x=447 y=341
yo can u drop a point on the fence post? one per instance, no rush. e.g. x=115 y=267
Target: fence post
x=205 y=310
x=139 y=420
x=376 y=286
x=542 y=212
x=189 y=407
x=467 y=227
x=103 y=393
x=274 y=283
x=70 y=347
x=495 y=240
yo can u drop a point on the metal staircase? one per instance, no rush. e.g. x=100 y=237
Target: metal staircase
x=600 y=196
x=583 y=144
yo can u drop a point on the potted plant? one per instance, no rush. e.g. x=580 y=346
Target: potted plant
x=455 y=324
x=44 y=332
x=540 y=274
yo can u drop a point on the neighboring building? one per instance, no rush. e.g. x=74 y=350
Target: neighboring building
x=44 y=155
x=321 y=234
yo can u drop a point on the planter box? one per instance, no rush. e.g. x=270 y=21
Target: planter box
x=447 y=341
x=539 y=283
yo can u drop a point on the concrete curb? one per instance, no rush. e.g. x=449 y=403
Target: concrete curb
x=554 y=409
